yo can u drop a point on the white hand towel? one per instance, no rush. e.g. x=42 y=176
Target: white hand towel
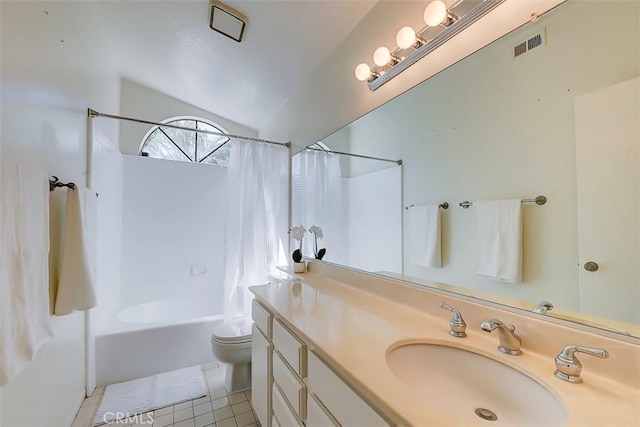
x=76 y=279
x=423 y=234
x=24 y=263
x=498 y=239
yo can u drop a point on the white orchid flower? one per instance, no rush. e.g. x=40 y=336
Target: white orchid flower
x=317 y=231
x=297 y=232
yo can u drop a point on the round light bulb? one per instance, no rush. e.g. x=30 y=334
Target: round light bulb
x=435 y=13
x=381 y=56
x=406 y=37
x=363 y=72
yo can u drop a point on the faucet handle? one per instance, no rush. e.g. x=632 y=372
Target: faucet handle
x=457 y=324
x=568 y=367
x=542 y=307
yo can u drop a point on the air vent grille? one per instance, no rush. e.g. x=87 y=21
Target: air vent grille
x=520 y=49
x=530 y=44
x=534 y=42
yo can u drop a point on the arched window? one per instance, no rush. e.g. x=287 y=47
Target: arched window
x=187 y=146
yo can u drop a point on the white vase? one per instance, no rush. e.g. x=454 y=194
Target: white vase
x=299 y=267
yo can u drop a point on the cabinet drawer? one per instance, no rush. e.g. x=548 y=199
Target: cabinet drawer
x=261 y=318
x=317 y=416
x=281 y=411
x=290 y=347
x=342 y=402
x=293 y=389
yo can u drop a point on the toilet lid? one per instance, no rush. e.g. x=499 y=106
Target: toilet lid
x=233 y=331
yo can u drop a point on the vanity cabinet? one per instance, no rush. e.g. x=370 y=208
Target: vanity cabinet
x=292 y=386
x=282 y=413
x=289 y=361
x=341 y=402
x=261 y=368
x=318 y=415
x=346 y=348
x=292 y=349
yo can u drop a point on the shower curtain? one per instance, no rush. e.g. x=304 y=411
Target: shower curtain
x=256 y=225
x=318 y=200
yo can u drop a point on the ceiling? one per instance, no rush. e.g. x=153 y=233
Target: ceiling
x=168 y=46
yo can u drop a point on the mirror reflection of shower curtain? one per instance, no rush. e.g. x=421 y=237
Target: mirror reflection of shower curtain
x=318 y=200
x=256 y=227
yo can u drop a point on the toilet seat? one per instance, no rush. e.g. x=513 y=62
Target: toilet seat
x=235 y=331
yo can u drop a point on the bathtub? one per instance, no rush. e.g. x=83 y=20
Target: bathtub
x=155 y=337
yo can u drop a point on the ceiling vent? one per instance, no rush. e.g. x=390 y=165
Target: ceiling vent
x=227 y=21
x=530 y=44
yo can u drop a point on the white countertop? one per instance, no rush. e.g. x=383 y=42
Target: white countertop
x=356 y=329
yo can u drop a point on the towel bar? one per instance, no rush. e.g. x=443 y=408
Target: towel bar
x=444 y=205
x=540 y=200
x=54 y=183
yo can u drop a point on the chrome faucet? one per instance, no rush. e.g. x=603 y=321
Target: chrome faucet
x=568 y=367
x=509 y=341
x=457 y=324
x=542 y=307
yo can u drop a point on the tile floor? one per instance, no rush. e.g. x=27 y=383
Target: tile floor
x=217 y=409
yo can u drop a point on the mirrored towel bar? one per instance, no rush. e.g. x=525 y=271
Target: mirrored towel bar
x=540 y=200
x=444 y=205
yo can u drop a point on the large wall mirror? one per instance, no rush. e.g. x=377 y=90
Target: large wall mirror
x=560 y=120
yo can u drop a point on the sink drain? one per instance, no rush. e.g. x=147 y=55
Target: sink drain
x=486 y=414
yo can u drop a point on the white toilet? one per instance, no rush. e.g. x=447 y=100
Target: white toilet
x=231 y=344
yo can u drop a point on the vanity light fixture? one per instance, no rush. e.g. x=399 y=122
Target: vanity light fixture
x=451 y=22
x=383 y=56
x=436 y=13
x=407 y=38
x=364 y=72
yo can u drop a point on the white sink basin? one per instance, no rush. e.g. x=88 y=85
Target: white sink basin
x=474 y=388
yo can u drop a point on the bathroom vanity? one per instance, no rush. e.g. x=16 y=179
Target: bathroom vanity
x=336 y=346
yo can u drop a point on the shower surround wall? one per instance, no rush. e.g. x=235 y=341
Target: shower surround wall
x=173 y=229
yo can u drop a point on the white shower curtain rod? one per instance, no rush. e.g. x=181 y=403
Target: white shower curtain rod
x=93 y=114
x=362 y=156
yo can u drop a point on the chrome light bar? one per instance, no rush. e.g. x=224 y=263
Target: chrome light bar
x=450 y=31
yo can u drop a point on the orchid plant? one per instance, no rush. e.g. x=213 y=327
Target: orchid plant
x=297 y=233
x=317 y=234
